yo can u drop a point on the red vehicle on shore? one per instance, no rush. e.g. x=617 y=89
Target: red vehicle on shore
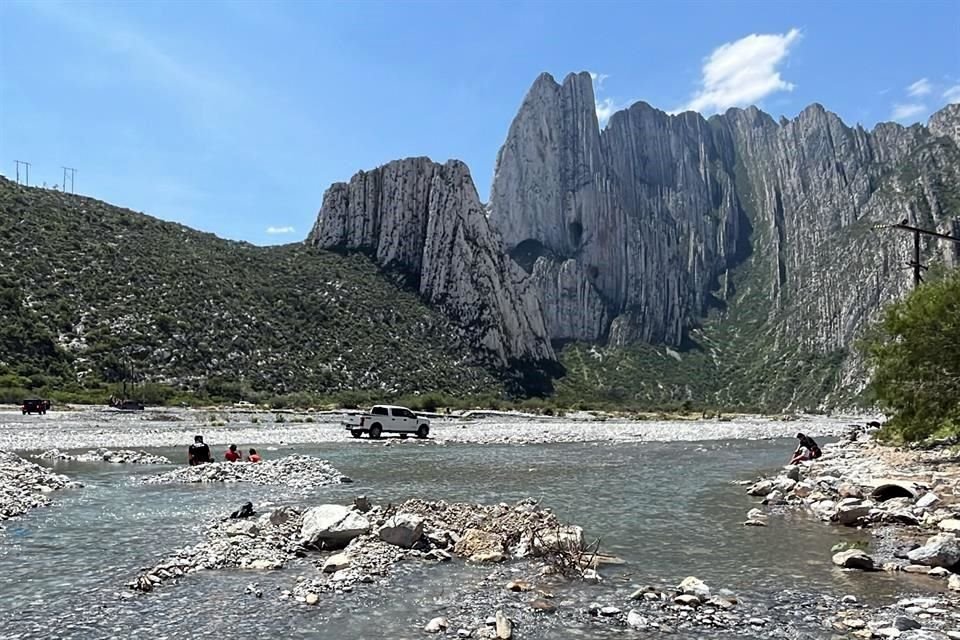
x=35 y=405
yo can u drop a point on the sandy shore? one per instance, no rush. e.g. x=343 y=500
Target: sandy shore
x=96 y=427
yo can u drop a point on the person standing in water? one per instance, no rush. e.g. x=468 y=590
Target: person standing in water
x=231 y=454
x=254 y=456
x=199 y=452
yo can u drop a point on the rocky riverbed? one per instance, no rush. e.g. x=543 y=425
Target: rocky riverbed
x=25 y=485
x=666 y=508
x=121 y=456
x=909 y=503
x=92 y=427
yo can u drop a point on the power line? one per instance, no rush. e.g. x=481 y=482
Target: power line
x=27 y=167
x=73 y=173
x=917 y=232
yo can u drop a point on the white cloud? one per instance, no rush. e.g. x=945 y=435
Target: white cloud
x=952 y=94
x=598 y=79
x=743 y=72
x=276 y=231
x=920 y=88
x=606 y=107
x=907 y=111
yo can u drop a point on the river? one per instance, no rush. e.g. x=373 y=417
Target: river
x=668 y=509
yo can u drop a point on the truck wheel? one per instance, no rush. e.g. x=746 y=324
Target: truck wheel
x=356 y=434
x=375 y=431
x=423 y=431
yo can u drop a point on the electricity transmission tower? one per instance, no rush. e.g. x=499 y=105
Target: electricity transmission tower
x=26 y=165
x=73 y=173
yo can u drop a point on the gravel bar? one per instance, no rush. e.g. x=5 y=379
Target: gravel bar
x=96 y=427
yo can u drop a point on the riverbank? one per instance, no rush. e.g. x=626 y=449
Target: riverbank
x=85 y=428
x=906 y=501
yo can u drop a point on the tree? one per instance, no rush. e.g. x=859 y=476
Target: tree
x=914 y=352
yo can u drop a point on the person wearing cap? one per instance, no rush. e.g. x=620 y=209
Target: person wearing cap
x=198 y=453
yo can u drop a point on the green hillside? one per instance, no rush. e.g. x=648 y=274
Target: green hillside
x=89 y=291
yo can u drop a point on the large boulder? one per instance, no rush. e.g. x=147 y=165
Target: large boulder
x=849 y=510
x=942 y=550
x=332 y=526
x=784 y=485
x=853 y=559
x=761 y=488
x=402 y=530
x=886 y=489
x=478 y=542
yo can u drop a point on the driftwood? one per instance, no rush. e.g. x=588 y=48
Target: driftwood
x=567 y=557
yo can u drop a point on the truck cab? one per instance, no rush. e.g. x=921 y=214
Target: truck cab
x=385 y=418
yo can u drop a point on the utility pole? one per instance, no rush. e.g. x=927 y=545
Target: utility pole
x=26 y=166
x=917 y=232
x=73 y=173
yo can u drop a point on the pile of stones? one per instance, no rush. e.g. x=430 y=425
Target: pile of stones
x=361 y=543
x=25 y=485
x=115 y=456
x=295 y=471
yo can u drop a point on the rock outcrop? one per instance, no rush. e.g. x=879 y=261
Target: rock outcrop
x=424 y=221
x=637 y=232
x=634 y=232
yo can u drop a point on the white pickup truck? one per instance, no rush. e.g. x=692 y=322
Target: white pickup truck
x=385 y=418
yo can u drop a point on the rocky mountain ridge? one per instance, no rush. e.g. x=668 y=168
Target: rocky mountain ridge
x=734 y=237
x=424 y=221
x=656 y=210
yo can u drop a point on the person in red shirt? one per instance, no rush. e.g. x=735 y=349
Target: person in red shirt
x=232 y=455
x=254 y=456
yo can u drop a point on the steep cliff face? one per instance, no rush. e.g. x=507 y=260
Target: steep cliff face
x=424 y=221
x=653 y=222
x=644 y=210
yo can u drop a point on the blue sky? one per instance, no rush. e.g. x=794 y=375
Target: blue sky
x=235 y=117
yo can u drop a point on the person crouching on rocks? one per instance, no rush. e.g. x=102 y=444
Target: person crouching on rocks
x=254 y=456
x=808 y=449
x=199 y=452
x=231 y=454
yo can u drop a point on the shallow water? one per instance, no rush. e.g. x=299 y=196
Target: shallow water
x=668 y=509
